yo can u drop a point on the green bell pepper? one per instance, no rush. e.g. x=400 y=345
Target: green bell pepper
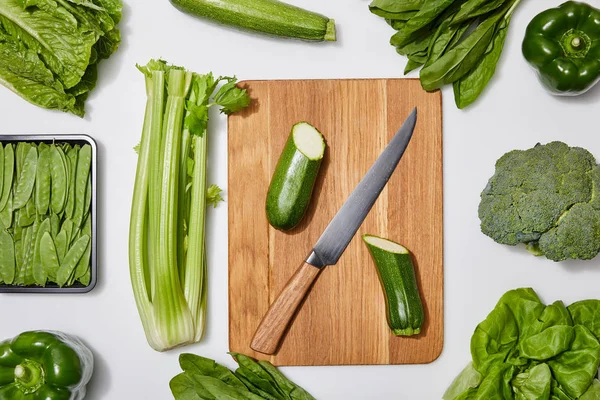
x=563 y=45
x=40 y=365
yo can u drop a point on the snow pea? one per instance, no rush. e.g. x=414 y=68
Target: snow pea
x=1 y=168
x=6 y=215
x=8 y=173
x=26 y=179
x=58 y=173
x=7 y=257
x=39 y=273
x=83 y=266
x=42 y=182
x=61 y=243
x=81 y=180
x=48 y=256
x=71 y=260
x=72 y=156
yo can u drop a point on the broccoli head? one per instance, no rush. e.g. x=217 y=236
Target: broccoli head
x=547 y=197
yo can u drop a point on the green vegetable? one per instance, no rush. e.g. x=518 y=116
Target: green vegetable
x=266 y=16
x=167 y=255
x=457 y=42
x=292 y=184
x=37 y=185
x=203 y=378
x=49 y=50
x=404 y=309
x=44 y=365
x=525 y=349
x=563 y=45
x=547 y=197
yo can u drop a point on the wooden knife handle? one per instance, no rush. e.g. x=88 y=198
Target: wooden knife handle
x=274 y=324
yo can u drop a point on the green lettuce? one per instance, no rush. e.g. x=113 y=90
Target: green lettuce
x=526 y=350
x=49 y=49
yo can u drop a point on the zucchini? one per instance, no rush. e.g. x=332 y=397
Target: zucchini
x=294 y=177
x=267 y=16
x=397 y=276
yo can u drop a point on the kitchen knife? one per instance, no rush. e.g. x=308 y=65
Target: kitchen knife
x=332 y=242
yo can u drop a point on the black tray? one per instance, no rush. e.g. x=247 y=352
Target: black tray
x=73 y=140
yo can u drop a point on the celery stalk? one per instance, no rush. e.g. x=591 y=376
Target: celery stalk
x=167 y=242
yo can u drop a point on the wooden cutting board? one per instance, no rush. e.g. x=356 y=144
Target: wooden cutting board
x=343 y=320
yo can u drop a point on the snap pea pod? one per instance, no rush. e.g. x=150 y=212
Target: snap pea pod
x=58 y=173
x=83 y=266
x=8 y=173
x=39 y=272
x=28 y=258
x=69 y=264
x=81 y=180
x=61 y=243
x=54 y=225
x=42 y=180
x=22 y=266
x=6 y=215
x=48 y=256
x=1 y=168
x=7 y=257
x=26 y=179
x=72 y=156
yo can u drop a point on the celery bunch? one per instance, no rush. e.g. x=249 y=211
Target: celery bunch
x=167 y=256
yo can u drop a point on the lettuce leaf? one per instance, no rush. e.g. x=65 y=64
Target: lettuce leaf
x=50 y=48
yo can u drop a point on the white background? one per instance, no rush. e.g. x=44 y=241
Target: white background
x=514 y=112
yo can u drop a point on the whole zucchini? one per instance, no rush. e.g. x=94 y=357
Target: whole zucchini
x=397 y=276
x=267 y=16
x=294 y=177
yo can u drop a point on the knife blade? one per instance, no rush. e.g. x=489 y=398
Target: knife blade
x=332 y=243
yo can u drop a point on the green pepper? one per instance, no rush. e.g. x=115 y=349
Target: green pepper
x=563 y=45
x=40 y=365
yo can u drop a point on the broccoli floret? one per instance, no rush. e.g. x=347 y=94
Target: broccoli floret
x=547 y=197
x=577 y=235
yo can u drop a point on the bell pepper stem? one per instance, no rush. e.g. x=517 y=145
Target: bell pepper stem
x=22 y=373
x=576 y=42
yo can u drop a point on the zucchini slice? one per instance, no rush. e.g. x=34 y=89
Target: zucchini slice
x=404 y=309
x=292 y=184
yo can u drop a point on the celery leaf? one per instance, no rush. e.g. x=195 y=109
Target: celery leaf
x=213 y=195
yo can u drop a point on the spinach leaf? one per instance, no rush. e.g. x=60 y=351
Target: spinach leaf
x=533 y=384
x=475 y=8
x=185 y=388
x=197 y=365
x=411 y=65
x=222 y=391
x=430 y=10
x=457 y=62
x=469 y=87
x=294 y=391
x=394 y=9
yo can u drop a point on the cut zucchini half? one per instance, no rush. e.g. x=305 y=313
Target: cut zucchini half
x=404 y=309
x=295 y=175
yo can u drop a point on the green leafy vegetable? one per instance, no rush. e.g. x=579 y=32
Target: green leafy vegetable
x=457 y=42
x=203 y=378
x=49 y=50
x=527 y=350
x=167 y=233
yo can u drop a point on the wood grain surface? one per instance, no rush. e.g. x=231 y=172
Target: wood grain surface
x=343 y=319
